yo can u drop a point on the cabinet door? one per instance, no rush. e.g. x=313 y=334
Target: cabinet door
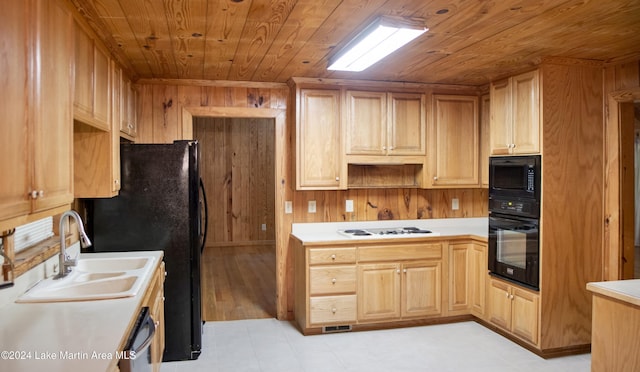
x=101 y=86
x=53 y=150
x=459 y=278
x=319 y=150
x=406 y=128
x=132 y=112
x=454 y=141
x=83 y=94
x=124 y=103
x=525 y=116
x=378 y=292
x=366 y=123
x=500 y=136
x=15 y=167
x=421 y=289
x=499 y=304
x=478 y=279
x=484 y=140
x=525 y=315
x=115 y=77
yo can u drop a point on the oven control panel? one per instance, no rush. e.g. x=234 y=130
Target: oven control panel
x=528 y=208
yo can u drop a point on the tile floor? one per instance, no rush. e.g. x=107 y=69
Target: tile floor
x=264 y=345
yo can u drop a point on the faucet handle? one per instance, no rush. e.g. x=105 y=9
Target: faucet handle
x=69 y=262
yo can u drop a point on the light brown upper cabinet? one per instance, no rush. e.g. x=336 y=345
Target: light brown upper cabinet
x=128 y=104
x=453 y=154
x=97 y=152
x=36 y=140
x=515 y=115
x=319 y=160
x=485 y=115
x=92 y=81
x=384 y=124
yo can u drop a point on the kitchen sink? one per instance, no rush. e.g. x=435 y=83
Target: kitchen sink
x=94 y=279
x=101 y=265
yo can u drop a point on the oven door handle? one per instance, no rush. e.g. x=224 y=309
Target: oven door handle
x=147 y=341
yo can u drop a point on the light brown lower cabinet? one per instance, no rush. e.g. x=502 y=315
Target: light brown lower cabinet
x=478 y=279
x=514 y=309
x=154 y=299
x=343 y=286
x=390 y=291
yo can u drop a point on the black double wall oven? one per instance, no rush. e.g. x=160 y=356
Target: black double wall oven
x=514 y=214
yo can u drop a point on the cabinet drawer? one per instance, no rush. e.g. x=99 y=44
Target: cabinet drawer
x=400 y=252
x=331 y=255
x=332 y=309
x=332 y=279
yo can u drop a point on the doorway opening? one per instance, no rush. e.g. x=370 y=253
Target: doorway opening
x=237 y=163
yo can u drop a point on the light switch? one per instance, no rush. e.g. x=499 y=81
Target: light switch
x=348 y=206
x=288 y=207
x=312 y=206
x=455 y=204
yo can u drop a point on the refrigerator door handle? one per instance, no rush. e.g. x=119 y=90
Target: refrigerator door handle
x=206 y=217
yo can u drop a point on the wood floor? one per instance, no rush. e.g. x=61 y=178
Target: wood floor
x=238 y=282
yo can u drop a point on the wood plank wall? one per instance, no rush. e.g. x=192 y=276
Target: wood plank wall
x=237 y=169
x=160 y=115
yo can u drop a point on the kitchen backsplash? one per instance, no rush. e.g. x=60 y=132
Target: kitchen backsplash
x=390 y=204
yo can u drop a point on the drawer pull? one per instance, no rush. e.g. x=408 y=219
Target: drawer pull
x=333 y=257
x=333 y=280
x=333 y=310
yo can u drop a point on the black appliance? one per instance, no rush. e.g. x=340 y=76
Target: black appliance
x=515 y=177
x=137 y=356
x=514 y=213
x=159 y=208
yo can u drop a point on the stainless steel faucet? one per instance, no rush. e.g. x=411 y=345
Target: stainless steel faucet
x=67 y=262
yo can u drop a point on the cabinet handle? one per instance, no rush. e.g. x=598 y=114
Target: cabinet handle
x=337 y=178
x=333 y=257
x=333 y=310
x=333 y=280
x=511 y=297
x=398 y=271
x=35 y=194
x=390 y=147
x=435 y=178
x=117 y=182
x=384 y=147
x=404 y=271
x=506 y=294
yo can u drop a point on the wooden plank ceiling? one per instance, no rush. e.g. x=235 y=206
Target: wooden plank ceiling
x=469 y=41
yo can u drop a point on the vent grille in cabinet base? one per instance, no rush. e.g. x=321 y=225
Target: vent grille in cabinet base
x=335 y=329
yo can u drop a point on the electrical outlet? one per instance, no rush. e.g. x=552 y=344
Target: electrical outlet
x=288 y=207
x=312 y=206
x=348 y=206
x=264 y=227
x=455 y=204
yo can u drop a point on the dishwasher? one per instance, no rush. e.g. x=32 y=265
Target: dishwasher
x=137 y=356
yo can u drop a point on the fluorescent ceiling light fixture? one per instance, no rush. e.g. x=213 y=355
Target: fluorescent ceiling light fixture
x=376 y=41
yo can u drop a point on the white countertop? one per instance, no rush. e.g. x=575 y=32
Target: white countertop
x=445 y=227
x=87 y=333
x=623 y=290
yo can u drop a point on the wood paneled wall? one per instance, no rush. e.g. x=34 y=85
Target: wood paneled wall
x=389 y=204
x=237 y=168
x=162 y=119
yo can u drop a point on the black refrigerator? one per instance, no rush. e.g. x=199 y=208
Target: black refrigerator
x=160 y=207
